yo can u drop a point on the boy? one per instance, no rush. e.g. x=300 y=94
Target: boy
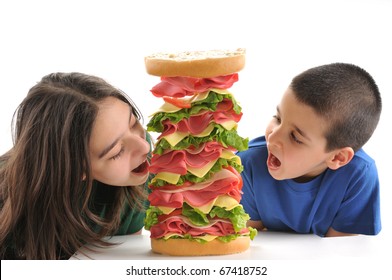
x=309 y=173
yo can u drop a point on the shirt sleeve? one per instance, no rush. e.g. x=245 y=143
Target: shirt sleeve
x=248 y=200
x=360 y=210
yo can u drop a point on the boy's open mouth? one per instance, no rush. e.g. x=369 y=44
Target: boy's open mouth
x=273 y=162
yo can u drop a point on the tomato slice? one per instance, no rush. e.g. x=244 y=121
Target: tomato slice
x=163 y=217
x=178 y=102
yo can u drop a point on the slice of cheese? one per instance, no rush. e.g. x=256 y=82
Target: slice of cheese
x=221 y=91
x=207 y=237
x=169 y=177
x=201 y=171
x=166 y=210
x=224 y=201
x=175 y=137
x=229 y=125
x=226 y=154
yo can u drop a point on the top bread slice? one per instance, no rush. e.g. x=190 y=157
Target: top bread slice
x=199 y=64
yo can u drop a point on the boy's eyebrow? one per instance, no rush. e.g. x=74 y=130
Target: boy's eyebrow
x=303 y=134
x=296 y=128
x=114 y=143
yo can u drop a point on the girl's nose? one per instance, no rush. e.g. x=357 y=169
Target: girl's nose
x=139 y=145
x=144 y=146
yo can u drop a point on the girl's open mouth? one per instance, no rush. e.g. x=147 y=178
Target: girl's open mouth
x=142 y=168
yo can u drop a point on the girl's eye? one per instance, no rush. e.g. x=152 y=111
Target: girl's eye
x=295 y=139
x=118 y=155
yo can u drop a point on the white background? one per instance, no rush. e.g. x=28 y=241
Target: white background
x=110 y=39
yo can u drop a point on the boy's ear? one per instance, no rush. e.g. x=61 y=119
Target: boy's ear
x=340 y=158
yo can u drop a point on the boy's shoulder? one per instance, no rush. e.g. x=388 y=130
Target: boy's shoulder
x=257 y=148
x=362 y=156
x=257 y=142
x=361 y=165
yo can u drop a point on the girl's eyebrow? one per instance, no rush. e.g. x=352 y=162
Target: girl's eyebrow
x=114 y=143
x=109 y=147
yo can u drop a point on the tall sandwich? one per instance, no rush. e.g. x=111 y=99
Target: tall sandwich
x=196 y=190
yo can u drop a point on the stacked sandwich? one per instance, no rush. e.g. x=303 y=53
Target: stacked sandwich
x=196 y=190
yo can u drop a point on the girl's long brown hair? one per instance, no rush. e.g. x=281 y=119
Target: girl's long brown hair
x=44 y=199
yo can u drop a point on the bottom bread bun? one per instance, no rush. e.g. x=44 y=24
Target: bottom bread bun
x=186 y=247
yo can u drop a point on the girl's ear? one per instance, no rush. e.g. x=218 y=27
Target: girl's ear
x=340 y=158
x=84 y=177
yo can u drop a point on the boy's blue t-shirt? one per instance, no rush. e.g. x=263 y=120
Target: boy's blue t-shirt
x=346 y=199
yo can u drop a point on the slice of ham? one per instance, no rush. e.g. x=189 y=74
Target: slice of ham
x=179 y=87
x=181 y=225
x=178 y=161
x=227 y=181
x=196 y=124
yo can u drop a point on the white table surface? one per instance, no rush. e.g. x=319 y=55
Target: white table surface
x=266 y=246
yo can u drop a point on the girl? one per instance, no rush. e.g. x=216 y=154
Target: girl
x=77 y=171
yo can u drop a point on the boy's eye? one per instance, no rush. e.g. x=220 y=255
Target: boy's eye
x=295 y=139
x=277 y=118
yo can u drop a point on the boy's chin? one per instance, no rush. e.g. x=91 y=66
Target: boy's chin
x=277 y=176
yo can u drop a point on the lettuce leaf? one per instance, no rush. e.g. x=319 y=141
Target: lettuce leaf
x=151 y=218
x=237 y=216
x=228 y=138
x=197 y=217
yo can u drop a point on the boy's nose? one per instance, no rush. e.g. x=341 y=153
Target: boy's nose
x=273 y=137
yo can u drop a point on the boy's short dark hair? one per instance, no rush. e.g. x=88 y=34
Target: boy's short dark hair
x=346 y=96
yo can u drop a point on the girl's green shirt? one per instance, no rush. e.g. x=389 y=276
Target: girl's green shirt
x=132 y=219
